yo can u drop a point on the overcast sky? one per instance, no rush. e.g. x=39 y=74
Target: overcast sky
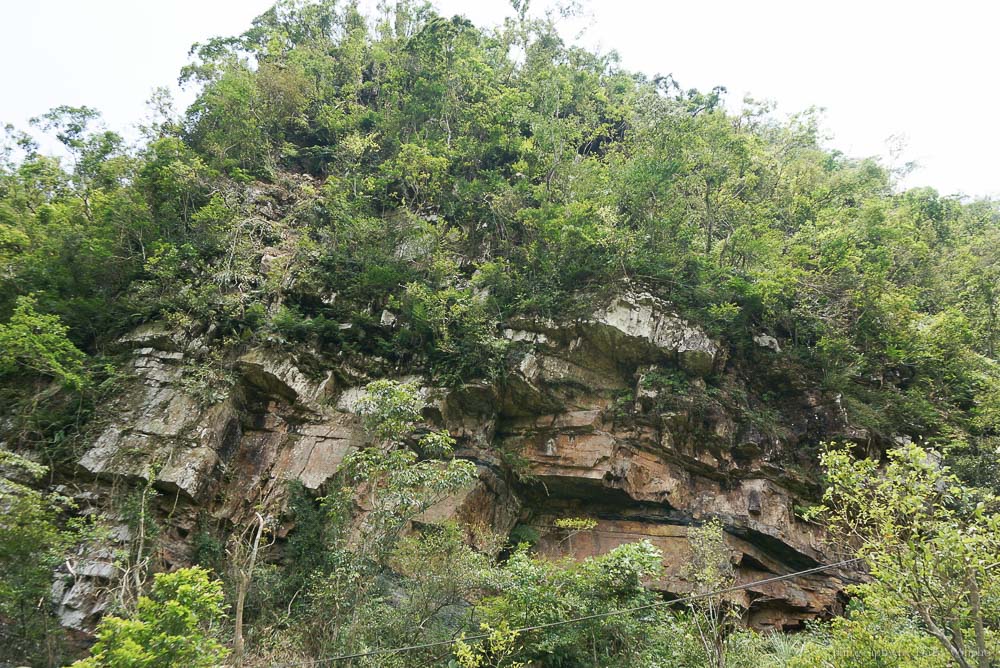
x=924 y=71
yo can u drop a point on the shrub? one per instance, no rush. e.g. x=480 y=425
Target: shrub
x=174 y=626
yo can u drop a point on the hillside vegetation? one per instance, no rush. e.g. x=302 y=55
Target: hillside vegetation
x=335 y=168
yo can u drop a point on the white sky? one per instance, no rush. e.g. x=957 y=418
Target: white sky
x=926 y=71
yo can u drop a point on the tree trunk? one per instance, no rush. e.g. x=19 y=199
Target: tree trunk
x=936 y=631
x=709 y=221
x=977 y=617
x=245 y=578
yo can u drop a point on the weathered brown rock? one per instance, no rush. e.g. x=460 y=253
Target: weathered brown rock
x=640 y=481
x=643 y=472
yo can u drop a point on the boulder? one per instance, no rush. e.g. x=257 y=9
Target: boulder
x=280 y=376
x=637 y=328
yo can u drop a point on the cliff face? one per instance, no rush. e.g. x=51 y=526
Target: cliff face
x=607 y=417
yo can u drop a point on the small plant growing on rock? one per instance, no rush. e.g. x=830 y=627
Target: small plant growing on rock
x=571 y=526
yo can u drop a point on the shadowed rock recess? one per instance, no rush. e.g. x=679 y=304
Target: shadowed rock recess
x=607 y=417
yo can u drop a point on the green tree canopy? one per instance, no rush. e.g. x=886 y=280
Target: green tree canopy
x=174 y=626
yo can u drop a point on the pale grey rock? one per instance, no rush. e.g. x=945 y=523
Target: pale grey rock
x=188 y=470
x=279 y=375
x=767 y=341
x=166 y=412
x=158 y=335
x=632 y=328
x=520 y=335
x=318 y=450
x=388 y=318
x=637 y=327
x=79 y=603
x=96 y=569
x=119 y=453
x=167 y=356
x=350 y=400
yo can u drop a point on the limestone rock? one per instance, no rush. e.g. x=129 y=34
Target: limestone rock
x=571 y=431
x=767 y=341
x=279 y=375
x=188 y=471
x=155 y=335
x=632 y=328
x=317 y=450
x=638 y=327
x=388 y=318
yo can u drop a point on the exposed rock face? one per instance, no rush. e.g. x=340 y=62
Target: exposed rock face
x=609 y=415
x=640 y=327
x=630 y=329
x=164 y=432
x=767 y=341
x=210 y=459
x=604 y=444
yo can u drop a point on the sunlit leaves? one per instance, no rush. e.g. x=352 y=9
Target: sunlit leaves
x=36 y=343
x=930 y=544
x=175 y=625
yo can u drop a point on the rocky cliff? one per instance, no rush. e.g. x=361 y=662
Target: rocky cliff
x=630 y=416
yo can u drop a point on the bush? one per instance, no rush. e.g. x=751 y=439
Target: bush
x=32 y=544
x=34 y=343
x=174 y=626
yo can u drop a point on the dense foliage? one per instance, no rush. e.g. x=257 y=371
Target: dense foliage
x=337 y=174
x=173 y=626
x=459 y=176
x=32 y=544
x=931 y=545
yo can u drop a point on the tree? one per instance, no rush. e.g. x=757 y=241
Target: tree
x=391 y=192
x=174 y=626
x=397 y=483
x=32 y=544
x=242 y=553
x=931 y=545
x=350 y=595
x=869 y=638
x=36 y=343
x=493 y=652
x=534 y=591
x=710 y=570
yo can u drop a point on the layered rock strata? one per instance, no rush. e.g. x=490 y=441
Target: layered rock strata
x=606 y=417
